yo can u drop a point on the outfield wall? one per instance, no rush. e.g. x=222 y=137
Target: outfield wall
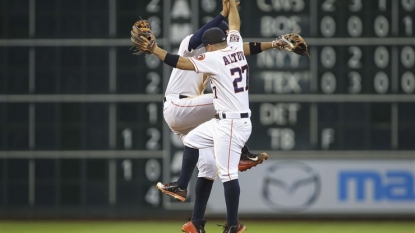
x=285 y=186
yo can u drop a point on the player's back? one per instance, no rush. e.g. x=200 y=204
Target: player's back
x=228 y=71
x=231 y=80
x=185 y=82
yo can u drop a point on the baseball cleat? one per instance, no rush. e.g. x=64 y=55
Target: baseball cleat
x=172 y=189
x=194 y=227
x=249 y=160
x=238 y=228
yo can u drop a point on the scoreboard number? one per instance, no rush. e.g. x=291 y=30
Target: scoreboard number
x=153 y=196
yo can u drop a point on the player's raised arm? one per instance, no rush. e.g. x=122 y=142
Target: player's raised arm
x=144 y=42
x=196 y=39
x=252 y=48
x=234 y=20
x=298 y=46
x=173 y=60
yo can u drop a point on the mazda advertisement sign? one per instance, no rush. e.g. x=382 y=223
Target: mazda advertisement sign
x=290 y=186
x=323 y=187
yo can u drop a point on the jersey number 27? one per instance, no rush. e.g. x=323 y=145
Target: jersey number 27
x=240 y=72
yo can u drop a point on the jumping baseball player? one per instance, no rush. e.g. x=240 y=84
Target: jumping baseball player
x=183 y=114
x=185 y=108
x=228 y=72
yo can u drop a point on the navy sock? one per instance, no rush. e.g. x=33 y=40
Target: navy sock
x=232 y=191
x=190 y=158
x=202 y=191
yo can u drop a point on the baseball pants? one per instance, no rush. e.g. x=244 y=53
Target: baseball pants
x=227 y=136
x=183 y=115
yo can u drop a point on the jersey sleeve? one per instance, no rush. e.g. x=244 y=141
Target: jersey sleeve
x=234 y=39
x=204 y=63
x=183 y=49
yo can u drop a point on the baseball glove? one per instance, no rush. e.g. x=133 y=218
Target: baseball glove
x=142 y=37
x=292 y=42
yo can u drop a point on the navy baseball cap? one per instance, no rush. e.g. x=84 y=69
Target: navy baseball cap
x=213 y=36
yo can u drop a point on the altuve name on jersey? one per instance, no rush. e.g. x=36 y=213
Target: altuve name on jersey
x=234 y=57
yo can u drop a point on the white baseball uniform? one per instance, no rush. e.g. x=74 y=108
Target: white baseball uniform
x=229 y=75
x=184 y=114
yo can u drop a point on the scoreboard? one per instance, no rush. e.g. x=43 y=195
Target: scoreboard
x=81 y=124
x=354 y=92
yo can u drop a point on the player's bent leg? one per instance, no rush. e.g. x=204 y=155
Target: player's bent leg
x=178 y=189
x=183 y=115
x=206 y=165
x=249 y=160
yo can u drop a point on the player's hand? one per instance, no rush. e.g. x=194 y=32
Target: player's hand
x=292 y=42
x=226 y=7
x=142 y=38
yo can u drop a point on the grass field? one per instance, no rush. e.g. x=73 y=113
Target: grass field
x=211 y=227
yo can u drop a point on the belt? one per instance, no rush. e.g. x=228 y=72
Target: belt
x=173 y=97
x=231 y=115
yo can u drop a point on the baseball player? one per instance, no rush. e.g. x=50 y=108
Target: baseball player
x=185 y=108
x=185 y=105
x=225 y=64
x=182 y=114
